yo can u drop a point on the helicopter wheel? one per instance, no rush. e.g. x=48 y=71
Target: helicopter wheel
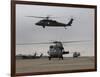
x=62 y=58
x=49 y=58
x=43 y=26
x=65 y=28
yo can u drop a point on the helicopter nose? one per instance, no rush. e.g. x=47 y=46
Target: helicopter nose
x=36 y=23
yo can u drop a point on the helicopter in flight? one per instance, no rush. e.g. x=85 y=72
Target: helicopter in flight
x=57 y=49
x=46 y=21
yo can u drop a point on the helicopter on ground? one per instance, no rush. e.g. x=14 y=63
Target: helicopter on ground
x=46 y=21
x=57 y=49
x=34 y=56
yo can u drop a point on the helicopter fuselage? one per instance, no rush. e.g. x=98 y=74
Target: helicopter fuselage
x=52 y=23
x=56 y=51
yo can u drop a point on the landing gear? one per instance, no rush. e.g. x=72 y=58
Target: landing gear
x=61 y=58
x=43 y=26
x=65 y=27
x=49 y=58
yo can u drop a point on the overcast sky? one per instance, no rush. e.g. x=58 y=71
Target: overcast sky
x=27 y=32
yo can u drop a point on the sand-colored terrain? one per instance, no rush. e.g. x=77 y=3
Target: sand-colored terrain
x=44 y=65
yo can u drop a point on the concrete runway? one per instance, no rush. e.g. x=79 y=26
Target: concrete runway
x=44 y=65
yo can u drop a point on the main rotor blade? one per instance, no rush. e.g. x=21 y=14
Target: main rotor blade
x=76 y=41
x=36 y=16
x=34 y=43
x=54 y=42
x=43 y=17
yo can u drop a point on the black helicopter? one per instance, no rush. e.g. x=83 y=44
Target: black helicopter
x=57 y=50
x=46 y=21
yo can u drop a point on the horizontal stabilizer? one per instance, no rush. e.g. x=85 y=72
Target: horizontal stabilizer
x=67 y=52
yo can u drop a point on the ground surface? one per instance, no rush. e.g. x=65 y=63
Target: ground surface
x=44 y=65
